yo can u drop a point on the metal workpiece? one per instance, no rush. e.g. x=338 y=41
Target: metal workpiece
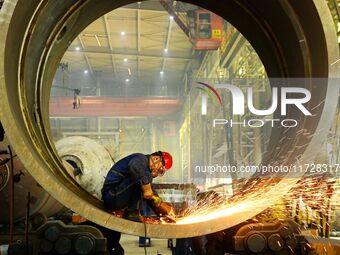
x=41 y=202
x=292 y=38
x=90 y=158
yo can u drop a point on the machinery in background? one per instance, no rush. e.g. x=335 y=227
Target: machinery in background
x=204 y=28
x=84 y=159
x=279 y=237
x=35 y=224
x=255 y=236
x=12 y=172
x=54 y=238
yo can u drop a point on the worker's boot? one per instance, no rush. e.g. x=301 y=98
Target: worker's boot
x=133 y=215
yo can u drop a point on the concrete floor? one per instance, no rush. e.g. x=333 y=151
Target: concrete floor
x=130 y=245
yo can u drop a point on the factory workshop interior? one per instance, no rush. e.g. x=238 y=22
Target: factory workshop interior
x=233 y=105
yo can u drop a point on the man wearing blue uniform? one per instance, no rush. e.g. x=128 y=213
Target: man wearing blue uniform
x=129 y=181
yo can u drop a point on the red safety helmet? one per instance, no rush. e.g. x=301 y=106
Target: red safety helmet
x=167 y=160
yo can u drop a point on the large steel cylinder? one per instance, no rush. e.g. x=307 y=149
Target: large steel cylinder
x=292 y=38
x=91 y=158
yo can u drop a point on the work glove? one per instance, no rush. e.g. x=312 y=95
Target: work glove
x=164 y=208
x=156 y=200
x=160 y=207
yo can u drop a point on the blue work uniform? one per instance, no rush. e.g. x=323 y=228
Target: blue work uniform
x=122 y=187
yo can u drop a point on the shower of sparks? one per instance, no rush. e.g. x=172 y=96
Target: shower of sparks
x=312 y=192
x=255 y=197
x=335 y=62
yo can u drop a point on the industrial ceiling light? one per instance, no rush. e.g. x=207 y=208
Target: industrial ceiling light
x=161 y=72
x=127 y=80
x=77 y=48
x=166 y=50
x=122 y=33
x=86 y=71
x=125 y=60
x=171 y=17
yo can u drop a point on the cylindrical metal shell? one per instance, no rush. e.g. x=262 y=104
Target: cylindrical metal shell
x=92 y=158
x=35 y=36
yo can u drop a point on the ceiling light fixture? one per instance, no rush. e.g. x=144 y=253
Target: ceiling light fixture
x=122 y=33
x=125 y=59
x=171 y=17
x=127 y=80
x=161 y=72
x=166 y=50
x=86 y=71
x=77 y=48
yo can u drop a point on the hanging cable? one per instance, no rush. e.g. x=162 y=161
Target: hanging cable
x=27 y=220
x=11 y=197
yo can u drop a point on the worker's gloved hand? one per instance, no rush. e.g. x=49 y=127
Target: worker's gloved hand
x=156 y=200
x=172 y=212
x=164 y=208
x=147 y=191
x=159 y=206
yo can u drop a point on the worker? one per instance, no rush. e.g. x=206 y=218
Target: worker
x=129 y=181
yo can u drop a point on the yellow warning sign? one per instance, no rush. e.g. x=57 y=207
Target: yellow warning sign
x=216 y=33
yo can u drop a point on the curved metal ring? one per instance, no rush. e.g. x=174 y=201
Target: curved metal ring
x=292 y=38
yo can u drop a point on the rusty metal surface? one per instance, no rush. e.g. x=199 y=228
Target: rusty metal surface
x=35 y=36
